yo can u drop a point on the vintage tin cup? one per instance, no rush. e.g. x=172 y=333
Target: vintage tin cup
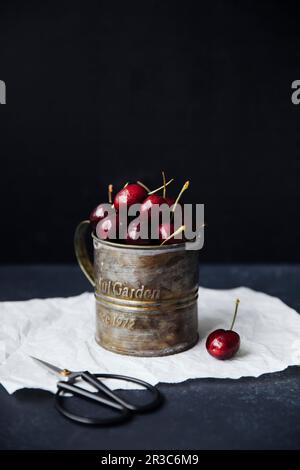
x=146 y=296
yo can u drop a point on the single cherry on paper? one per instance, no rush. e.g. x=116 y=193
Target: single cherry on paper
x=224 y=344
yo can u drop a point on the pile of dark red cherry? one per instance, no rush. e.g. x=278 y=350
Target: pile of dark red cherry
x=106 y=223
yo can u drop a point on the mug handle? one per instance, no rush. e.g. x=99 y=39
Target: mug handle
x=81 y=252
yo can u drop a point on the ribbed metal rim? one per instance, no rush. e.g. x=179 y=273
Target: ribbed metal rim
x=128 y=304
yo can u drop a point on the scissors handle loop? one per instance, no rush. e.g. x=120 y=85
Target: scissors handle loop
x=110 y=398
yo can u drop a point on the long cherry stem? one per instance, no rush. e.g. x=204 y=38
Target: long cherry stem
x=184 y=187
x=235 y=313
x=110 y=190
x=164 y=181
x=143 y=186
x=179 y=230
x=161 y=187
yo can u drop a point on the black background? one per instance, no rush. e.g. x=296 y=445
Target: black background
x=106 y=92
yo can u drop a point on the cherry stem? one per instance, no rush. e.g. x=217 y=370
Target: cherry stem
x=164 y=181
x=110 y=190
x=179 y=230
x=184 y=188
x=143 y=186
x=235 y=313
x=125 y=185
x=161 y=187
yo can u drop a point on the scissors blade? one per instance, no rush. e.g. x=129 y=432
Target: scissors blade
x=49 y=367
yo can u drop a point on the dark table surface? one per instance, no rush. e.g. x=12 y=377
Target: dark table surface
x=249 y=413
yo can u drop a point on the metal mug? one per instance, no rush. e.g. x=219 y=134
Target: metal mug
x=146 y=296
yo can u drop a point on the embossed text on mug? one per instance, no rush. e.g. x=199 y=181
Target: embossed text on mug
x=118 y=289
x=117 y=320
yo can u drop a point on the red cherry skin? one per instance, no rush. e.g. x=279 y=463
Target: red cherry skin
x=149 y=202
x=97 y=214
x=107 y=228
x=223 y=344
x=132 y=194
x=170 y=201
x=133 y=235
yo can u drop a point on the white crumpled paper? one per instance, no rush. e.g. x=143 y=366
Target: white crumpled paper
x=61 y=331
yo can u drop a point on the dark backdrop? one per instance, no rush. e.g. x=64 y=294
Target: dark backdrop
x=101 y=92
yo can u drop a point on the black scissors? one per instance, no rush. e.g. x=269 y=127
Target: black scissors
x=102 y=396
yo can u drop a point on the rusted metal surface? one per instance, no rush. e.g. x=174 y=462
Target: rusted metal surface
x=146 y=297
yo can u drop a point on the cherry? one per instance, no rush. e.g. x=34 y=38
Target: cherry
x=134 y=193
x=166 y=231
x=130 y=194
x=170 y=201
x=100 y=211
x=133 y=234
x=107 y=224
x=107 y=228
x=149 y=202
x=97 y=214
x=224 y=344
x=153 y=198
